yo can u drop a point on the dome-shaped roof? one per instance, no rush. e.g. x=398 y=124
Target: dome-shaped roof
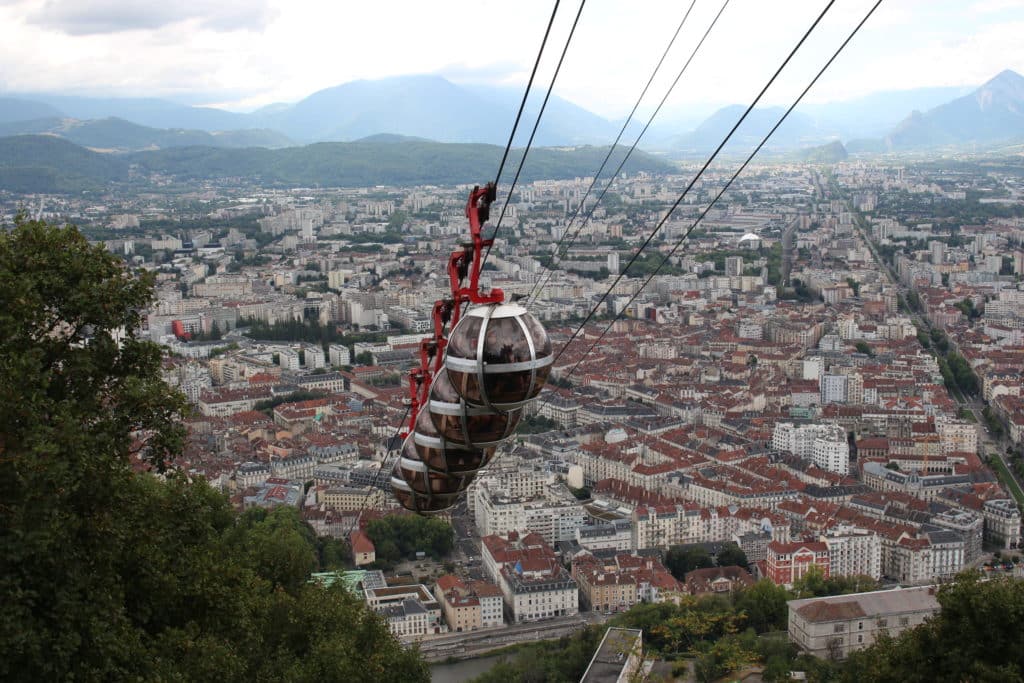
x=750 y=237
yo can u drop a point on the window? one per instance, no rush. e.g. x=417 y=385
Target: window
x=882 y=623
x=860 y=625
x=860 y=639
x=838 y=628
x=904 y=621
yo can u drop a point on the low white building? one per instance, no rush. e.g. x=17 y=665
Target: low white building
x=288 y=359
x=339 y=355
x=314 y=357
x=411 y=611
x=833 y=627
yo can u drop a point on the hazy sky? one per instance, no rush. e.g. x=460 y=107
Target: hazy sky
x=243 y=54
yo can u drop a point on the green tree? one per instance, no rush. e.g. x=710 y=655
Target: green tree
x=557 y=661
x=278 y=544
x=721 y=657
x=811 y=584
x=765 y=606
x=333 y=554
x=402 y=536
x=396 y=220
x=683 y=559
x=106 y=574
x=970 y=639
x=865 y=348
x=731 y=556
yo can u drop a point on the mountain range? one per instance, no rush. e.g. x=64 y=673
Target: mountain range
x=432 y=108
x=50 y=164
x=118 y=135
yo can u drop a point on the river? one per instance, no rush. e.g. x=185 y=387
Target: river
x=457 y=672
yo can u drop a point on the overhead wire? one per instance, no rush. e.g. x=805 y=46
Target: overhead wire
x=694 y=180
x=622 y=131
x=725 y=187
x=533 y=133
x=384 y=468
x=541 y=281
x=526 y=93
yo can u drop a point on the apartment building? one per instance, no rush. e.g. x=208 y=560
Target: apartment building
x=853 y=551
x=469 y=605
x=555 y=514
x=787 y=562
x=533 y=582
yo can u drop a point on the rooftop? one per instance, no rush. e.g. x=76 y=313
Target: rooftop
x=871 y=604
x=612 y=656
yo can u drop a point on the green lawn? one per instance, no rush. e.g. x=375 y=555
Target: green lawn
x=1004 y=476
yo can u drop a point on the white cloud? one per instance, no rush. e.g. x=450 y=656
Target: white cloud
x=88 y=17
x=993 y=6
x=248 y=53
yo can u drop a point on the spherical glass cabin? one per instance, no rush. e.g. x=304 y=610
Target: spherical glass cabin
x=440 y=455
x=498 y=356
x=460 y=423
x=414 y=501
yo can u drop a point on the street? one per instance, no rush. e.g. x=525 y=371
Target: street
x=973 y=405
x=477 y=643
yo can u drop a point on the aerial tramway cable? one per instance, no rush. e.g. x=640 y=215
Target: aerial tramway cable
x=536 y=124
x=696 y=177
x=526 y=93
x=725 y=187
x=497 y=357
x=538 y=286
x=386 y=461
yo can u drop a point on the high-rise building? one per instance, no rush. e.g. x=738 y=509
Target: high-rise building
x=613 y=263
x=853 y=552
x=339 y=354
x=734 y=266
x=833 y=388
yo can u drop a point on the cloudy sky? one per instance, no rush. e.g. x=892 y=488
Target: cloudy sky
x=242 y=54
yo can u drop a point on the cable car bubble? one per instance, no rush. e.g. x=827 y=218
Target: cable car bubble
x=498 y=356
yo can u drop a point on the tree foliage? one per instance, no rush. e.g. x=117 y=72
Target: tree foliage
x=814 y=584
x=973 y=638
x=682 y=559
x=556 y=661
x=764 y=603
x=106 y=574
x=402 y=536
x=732 y=556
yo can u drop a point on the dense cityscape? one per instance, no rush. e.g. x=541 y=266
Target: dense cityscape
x=822 y=384
x=512 y=343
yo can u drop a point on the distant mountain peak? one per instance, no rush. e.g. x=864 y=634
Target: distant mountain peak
x=993 y=114
x=1007 y=75
x=1008 y=86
